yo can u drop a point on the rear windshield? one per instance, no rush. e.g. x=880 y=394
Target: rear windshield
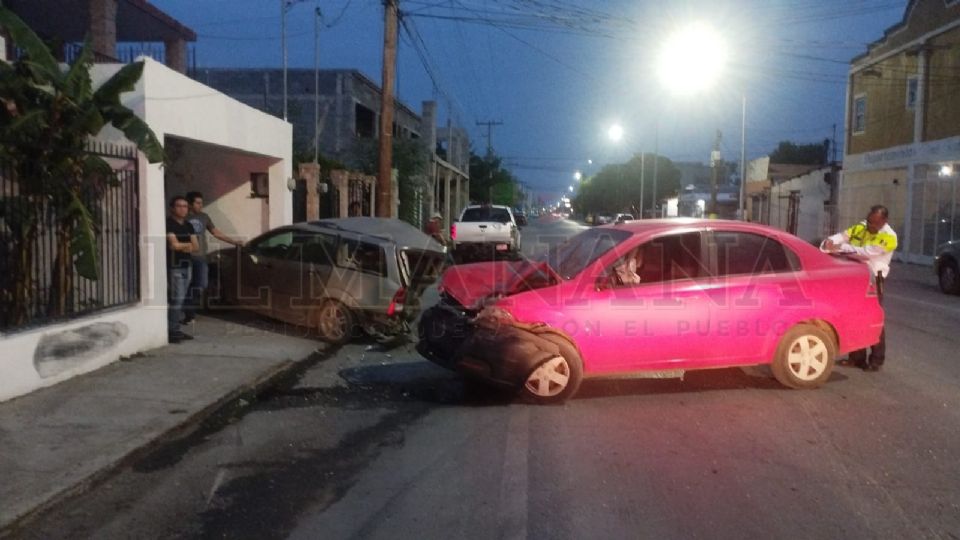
x=499 y=215
x=419 y=266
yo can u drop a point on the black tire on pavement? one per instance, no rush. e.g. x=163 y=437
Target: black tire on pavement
x=804 y=357
x=335 y=322
x=949 y=277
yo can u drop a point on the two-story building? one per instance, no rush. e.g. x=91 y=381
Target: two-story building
x=903 y=129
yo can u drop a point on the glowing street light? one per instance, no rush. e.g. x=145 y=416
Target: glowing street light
x=692 y=59
x=577 y=175
x=571 y=189
x=615 y=132
x=689 y=62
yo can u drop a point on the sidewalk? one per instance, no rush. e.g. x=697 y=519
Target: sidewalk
x=57 y=441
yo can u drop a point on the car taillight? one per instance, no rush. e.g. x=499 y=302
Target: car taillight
x=397 y=303
x=453 y=231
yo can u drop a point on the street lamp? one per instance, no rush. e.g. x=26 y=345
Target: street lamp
x=691 y=60
x=571 y=189
x=577 y=175
x=615 y=133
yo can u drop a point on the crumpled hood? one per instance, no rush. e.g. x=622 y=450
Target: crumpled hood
x=470 y=284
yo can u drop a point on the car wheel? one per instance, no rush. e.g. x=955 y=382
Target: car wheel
x=805 y=357
x=949 y=278
x=335 y=322
x=553 y=381
x=558 y=378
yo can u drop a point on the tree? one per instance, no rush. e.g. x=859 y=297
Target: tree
x=490 y=182
x=49 y=114
x=617 y=187
x=801 y=154
x=410 y=160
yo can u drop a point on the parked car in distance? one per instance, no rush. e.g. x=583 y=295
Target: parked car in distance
x=483 y=229
x=946 y=266
x=653 y=298
x=602 y=220
x=520 y=217
x=623 y=218
x=333 y=275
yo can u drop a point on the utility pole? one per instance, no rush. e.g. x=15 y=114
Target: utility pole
x=283 y=51
x=317 y=15
x=715 y=163
x=384 y=177
x=490 y=125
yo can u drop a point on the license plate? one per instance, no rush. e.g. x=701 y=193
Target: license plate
x=502 y=247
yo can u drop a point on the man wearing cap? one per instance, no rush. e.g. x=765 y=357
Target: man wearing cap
x=435 y=228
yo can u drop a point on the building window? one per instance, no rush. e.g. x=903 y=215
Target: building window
x=365 y=122
x=860 y=114
x=912 y=85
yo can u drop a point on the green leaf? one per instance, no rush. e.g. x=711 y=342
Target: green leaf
x=124 y=80
x=77 y=82
x=27 y=39
x=136 y=130
x=83 y=242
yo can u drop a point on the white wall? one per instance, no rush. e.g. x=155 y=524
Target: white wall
x=812 y=219
x=173 y=105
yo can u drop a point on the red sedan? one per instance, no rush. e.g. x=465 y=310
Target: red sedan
x=653 y=298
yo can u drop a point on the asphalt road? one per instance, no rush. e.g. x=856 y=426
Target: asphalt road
x=377 y=443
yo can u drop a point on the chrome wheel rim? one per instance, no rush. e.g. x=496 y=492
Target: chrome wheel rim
x=808 y=357
x=550 y=378
x=333 y=321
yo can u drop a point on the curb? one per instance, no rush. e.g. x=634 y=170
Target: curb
x=267 y=380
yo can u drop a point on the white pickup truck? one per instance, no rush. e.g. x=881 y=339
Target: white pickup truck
x=485 y=228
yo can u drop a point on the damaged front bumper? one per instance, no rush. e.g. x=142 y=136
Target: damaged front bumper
x=488 y=345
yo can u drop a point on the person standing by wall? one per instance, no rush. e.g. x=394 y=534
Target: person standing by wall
x=200 y=273
x=181 y=243
x=873 y=241
x=434 y=228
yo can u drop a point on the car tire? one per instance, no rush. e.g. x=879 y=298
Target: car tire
x=335 y=322
x=556 y=379
x=804 y=357
x=949 y=277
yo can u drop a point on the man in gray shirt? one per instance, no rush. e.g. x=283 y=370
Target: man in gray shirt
x=201 y=223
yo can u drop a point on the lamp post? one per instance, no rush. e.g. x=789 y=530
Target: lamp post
x=615 y=133
x=690 y=61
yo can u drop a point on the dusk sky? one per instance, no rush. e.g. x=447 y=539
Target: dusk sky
x=558 y=73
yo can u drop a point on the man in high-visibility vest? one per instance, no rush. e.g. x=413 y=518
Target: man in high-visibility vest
x=872 y=241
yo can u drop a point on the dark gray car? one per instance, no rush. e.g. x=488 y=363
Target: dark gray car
x=334 y=275
x=946 y=265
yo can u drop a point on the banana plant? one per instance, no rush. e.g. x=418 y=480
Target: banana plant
x=48 y=113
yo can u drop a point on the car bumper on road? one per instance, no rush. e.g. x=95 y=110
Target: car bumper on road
x=501 y=353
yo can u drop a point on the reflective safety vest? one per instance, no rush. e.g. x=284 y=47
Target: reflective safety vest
x=860 y=236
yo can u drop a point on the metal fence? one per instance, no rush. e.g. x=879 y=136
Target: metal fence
x=32 y=292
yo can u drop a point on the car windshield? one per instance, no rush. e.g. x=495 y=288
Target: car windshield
x=571 y=257
x=500 y=215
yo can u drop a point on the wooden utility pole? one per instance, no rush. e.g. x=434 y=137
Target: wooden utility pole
x=490 y=125
x=384 y=177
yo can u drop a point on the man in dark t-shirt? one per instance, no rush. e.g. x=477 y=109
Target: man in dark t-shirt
x=199 y=274
x=181 y=242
